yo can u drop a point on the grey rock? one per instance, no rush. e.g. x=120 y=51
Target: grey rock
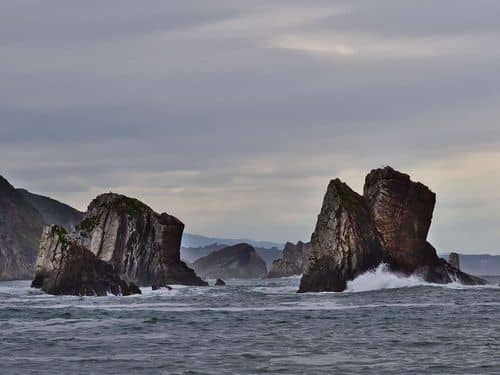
x=454 y=260
x=294 y=261
x=239 y=261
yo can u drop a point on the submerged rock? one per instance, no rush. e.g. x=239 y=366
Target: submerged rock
x=220 y=282
x=239 y=261
x=141 y=245
x=454 y=260
x=64 y=267
x=294 y=261
x=389 y=223
x=345 y=242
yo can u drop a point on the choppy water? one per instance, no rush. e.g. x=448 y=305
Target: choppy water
x=256 y=326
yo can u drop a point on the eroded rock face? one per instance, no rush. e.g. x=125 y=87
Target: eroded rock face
x=239 y=261
x=389 y=223
x=141 y=245
x=454 y=260
x=402 y=211
x=64 y=267
x=345 y=242
x=294 y=261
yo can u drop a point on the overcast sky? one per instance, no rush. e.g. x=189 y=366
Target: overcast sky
x=234 y=115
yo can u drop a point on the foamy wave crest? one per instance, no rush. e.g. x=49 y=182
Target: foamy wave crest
x=382 y=278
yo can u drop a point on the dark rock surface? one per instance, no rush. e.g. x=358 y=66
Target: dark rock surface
x=389 y=223
x=294 y=261
x=220 y=282
x=20 y=228
x=402 y=211
x=53 y=211
x=141 y=245
x=65 y=267
x=454 y=260
x=239 y=261
x=345 y=242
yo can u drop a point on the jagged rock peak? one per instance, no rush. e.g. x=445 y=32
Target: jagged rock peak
x=294 y=260
x=345 y=242
x=402 y=211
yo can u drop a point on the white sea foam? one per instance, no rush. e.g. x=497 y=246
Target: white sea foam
x=382 y=278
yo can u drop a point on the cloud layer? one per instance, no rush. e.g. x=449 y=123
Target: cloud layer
x=234 y=115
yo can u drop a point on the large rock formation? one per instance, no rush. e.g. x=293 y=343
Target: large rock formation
x=239 y=261
x=402 y=211
x=294 y=261
x=345 y=242
x=22 y=218
x=141 y=245
x=389 y=223
x=65 y=267
x=20 y=228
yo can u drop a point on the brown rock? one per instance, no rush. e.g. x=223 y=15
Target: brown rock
x=402 y=211
x=345 y=242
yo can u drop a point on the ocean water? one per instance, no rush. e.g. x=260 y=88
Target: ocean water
x=382 y=324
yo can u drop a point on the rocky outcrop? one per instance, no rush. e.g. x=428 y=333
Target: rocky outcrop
x=64 y=267
x=345 y=242
x=294 y=261
x=141 y=245
x=389 y=223
x=220 y=282
x=239 y=261
x=20 y=228
x=454 y=260
x=402 y=211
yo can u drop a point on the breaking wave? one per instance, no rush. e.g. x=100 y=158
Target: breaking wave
x=382 y=278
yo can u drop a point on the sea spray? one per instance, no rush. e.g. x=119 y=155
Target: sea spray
x=382 y=278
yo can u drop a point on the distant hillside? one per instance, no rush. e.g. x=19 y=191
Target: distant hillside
x=52 y=211
x=195 y=240
x=20 y=229
x=240 y=261
x=191 y=254
x=481 y=264
x=22 y=218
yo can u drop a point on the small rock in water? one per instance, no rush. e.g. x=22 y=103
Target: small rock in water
x=156 y=287
x=220 y=282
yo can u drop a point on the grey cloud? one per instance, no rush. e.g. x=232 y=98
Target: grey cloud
x=195 y=108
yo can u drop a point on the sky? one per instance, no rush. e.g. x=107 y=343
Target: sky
x=234 y=115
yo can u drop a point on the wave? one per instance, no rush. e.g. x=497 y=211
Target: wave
x=382 y=278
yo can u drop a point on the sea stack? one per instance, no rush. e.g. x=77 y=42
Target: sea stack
x=142 y=246
x=294 y=260
x=454 y=260
x=389 y=224
x=345 y=242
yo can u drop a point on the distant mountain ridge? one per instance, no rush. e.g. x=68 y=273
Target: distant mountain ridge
x=23 y=216
x=53 y=211
x=192 y=254
x=196 y=240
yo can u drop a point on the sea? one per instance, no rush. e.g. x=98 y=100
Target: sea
x=382 y=324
